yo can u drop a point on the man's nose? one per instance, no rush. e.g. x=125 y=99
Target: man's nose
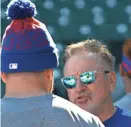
x=79 y=86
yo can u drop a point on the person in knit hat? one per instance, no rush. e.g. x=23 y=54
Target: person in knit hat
x=125 y=71
x=28 y=57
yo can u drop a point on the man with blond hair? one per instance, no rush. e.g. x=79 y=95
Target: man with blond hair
x=89 y=78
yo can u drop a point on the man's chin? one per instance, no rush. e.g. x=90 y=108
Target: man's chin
x=87 y=108
x=83 y=106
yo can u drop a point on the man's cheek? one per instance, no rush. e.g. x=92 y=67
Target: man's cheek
x=71 y=98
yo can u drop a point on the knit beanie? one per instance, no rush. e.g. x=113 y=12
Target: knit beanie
x=27 y=45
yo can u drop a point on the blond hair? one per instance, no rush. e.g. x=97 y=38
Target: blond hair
x=90 y=46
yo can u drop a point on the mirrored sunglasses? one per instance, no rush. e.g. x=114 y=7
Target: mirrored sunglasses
x=86 y=78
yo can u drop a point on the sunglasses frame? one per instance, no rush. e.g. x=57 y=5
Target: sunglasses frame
x=105 y=71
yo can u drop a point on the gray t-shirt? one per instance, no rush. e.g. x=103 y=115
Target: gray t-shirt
x=45 y=111
x=125 y=103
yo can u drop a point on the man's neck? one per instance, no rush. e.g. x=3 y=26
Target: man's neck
x=20 y=90
x=106 y=111
x=24 y=95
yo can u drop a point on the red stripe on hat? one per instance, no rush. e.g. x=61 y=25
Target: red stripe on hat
x=23 y=24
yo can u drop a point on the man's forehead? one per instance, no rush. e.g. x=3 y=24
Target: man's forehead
x=82 y=63
x=84 y=59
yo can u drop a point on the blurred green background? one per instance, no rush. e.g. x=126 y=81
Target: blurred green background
x=75 y=20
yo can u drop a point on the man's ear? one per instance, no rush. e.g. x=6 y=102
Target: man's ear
x=4 y=77
x=49 y=74
x=112 y=76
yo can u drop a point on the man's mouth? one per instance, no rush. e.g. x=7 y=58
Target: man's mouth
x=82 y=99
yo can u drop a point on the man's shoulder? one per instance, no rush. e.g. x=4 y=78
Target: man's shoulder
x=124 y=103
x=75 y=113
x=120 y=118
x=124 y=115
x=53 y=108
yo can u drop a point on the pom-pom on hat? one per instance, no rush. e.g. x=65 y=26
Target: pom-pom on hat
x=27 y=45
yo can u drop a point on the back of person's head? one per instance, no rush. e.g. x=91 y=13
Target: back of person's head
x=90 y=46
x=125 y=67
x=27 y=47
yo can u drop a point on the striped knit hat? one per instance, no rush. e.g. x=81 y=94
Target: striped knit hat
x=27 y=45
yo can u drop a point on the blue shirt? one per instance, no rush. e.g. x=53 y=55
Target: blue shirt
x=119 y=119
x=125 y=103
